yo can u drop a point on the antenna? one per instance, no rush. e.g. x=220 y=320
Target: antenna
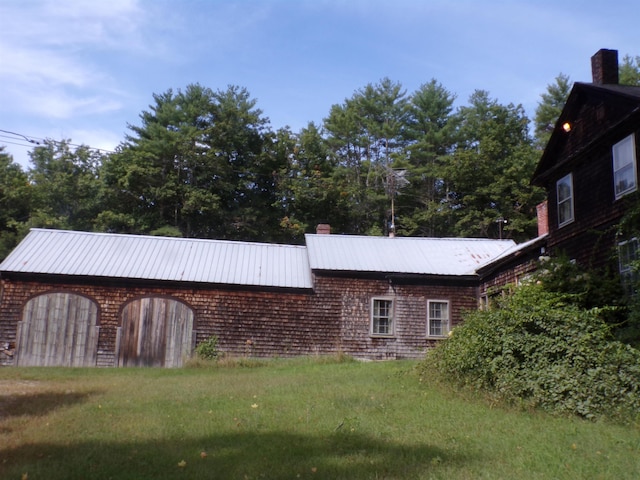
x=395 y=180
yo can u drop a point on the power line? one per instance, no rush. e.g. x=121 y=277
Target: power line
x=16 y=143
x=28 y=139
x=41 y=141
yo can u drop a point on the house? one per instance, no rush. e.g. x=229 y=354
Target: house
x=98 y=299
x=589 y=170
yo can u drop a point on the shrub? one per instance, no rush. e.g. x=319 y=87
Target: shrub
x=541 y=350
x=208 y=349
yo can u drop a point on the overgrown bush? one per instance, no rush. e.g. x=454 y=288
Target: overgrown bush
x=540 y=349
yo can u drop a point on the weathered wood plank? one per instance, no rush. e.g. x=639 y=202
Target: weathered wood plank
x=153 y=332
x=58 y=329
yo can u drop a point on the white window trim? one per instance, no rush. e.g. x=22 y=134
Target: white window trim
x=446 y=328
x=634 y=187
x=569 y=199
x=392 y=322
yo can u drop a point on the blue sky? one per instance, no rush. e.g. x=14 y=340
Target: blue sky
x=84 y=69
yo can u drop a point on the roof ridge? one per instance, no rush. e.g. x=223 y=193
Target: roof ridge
x=165 y=238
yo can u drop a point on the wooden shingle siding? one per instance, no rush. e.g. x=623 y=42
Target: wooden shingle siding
x=58 y=329
x=334 y=318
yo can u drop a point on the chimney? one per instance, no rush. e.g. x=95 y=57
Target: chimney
x=604 y=67
x=323 y=229
x=542 y=210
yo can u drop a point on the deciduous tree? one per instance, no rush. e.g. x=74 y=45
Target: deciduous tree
x=65 y=185
x=15 y=203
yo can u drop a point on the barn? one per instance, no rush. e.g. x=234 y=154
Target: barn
x=110 y=300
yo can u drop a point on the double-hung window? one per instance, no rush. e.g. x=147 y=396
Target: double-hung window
x=437 y=318
x=382 y=317
x=624 y=167
x=564 y=193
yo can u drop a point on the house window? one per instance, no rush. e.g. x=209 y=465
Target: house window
x=624 y=167
x=628 y=255
x=437 y=318
x=483 y=302
x=382 y=317
x=564 y=190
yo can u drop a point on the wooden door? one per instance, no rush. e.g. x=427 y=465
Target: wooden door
x=155 y=332
x=58 y=329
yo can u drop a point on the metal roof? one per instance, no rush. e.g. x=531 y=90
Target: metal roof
x=403 y=255
x=106 y=255
x=62 y=252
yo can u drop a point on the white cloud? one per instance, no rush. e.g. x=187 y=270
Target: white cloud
x=51 y=55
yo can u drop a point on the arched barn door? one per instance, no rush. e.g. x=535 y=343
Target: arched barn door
x=58 y=329
x=155 y=332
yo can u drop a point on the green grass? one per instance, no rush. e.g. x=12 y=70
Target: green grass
x=286 y=419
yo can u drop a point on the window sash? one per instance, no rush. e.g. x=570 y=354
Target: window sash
x=624 y=167
x=628 y=253
x=564 y=189
x=438 y=318
x=382 y=317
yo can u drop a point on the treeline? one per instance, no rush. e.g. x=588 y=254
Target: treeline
x=204 y=163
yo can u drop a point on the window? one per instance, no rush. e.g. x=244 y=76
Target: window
x=483 y=302
x=382 y=317
x=564 y=190
x=628 y=254
x=437 y=318
x=624 y=167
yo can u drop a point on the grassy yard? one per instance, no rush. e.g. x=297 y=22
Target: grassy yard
x=288 y=419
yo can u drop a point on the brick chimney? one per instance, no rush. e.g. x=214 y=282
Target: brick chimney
x=323 y=229
x=542 y=210
x=604 y=67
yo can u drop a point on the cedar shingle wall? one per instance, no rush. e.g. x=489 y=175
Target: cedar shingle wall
x=334 y=318
x=410 y=314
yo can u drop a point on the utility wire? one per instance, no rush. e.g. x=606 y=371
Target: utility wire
x=40 y=141
x=16 y=143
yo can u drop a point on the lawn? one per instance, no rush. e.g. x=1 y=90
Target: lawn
x=286 y=419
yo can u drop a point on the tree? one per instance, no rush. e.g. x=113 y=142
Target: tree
x=198 y=165
x=15 y=203
x=630 y=71
x=65 y=185
x=487 y=176
x=154 y=180
x=366 y=134
x=549 y=109
x=431 y=133
x=244 y=173
x=309 y=194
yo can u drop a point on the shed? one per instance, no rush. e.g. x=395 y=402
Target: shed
x=81 y=298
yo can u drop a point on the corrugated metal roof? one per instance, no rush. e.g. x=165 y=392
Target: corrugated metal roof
x=63 y=252
x=407 y=255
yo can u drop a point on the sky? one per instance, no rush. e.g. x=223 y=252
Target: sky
x=83 y=70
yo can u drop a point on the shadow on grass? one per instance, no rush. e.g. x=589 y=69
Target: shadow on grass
x=38 y=404
x=242 y=455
